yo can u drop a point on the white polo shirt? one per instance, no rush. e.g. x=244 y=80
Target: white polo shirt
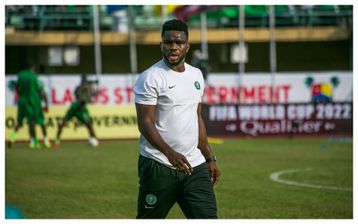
x=176 y=96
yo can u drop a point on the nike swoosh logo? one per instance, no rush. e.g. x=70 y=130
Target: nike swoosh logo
x=148 y=207
x=171 y=87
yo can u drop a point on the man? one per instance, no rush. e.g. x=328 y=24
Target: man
x=84 y=93
x=31 y=94
x=176 y=163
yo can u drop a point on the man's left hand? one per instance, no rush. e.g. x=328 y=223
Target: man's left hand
x=214 y=172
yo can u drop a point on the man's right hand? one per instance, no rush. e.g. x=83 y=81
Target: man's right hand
x=179 y=162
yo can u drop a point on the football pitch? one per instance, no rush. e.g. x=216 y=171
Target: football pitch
x=261 y=178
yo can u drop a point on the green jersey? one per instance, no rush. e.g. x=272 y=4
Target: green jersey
x=28 y=87
x=79 y=110
x=29 y=103
x=85 y=91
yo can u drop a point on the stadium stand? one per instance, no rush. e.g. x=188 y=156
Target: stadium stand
x=79 y=17
x=31 y=30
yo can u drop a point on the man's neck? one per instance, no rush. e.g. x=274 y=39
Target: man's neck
x=177 y=68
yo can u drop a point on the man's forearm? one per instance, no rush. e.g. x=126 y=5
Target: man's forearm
x=203 y=140
x=148 y=130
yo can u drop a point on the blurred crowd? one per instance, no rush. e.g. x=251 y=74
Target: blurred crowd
x=115 y=17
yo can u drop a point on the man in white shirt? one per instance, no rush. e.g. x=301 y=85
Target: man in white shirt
x=176 y=163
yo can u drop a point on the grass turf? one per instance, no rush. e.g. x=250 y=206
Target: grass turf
x=80 y=182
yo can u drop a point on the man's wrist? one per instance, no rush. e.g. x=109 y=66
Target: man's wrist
x=210 y=159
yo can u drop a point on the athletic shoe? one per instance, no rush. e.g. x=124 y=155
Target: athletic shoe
x=13 y=137
x=34 y=144
x=47 y=143
x=57 y=143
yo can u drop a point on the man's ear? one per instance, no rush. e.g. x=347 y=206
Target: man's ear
x=161 y=46
x=187 y=50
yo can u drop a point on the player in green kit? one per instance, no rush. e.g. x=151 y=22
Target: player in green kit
x=31 y=94
x=84 y=93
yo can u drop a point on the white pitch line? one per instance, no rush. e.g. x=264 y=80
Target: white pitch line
x=276 y=177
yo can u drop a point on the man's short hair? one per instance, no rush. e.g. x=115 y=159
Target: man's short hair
x=177 y=25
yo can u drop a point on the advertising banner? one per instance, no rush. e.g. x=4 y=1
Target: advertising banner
x=112 y=89
x=261 y=88
x=225 y=88
x=253 y=120
x=225 y=120
x=109 y=122
x=253 y=104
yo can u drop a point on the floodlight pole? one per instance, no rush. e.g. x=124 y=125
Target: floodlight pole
x=132 y=41
x=164 y=14
x=241 y=33
x=241 y=46
x=97 y=42
x=204 y=41
x=273 y=62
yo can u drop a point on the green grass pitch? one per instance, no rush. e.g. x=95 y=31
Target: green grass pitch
x=80 y=182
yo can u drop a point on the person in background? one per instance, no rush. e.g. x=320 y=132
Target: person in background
x=200 y=61
x=31 y=96
x=84 y=94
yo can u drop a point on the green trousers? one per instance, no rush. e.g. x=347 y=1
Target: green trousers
x=161 y=187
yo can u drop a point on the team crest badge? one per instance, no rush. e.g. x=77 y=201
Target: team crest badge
x=151 y=199
x=197 y=85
